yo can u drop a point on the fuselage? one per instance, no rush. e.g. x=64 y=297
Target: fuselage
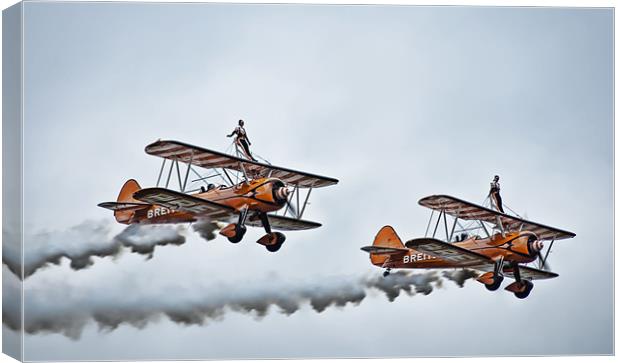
x=519 y=247
x=258 y=195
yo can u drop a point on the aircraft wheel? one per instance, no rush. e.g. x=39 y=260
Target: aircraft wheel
x=239 y=233
x=497 y=282
x=280 y=238
x=386 y=273
x=525 y=293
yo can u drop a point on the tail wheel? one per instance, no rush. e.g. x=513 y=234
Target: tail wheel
x=239 y=233
x=280 y=238
x=497 y=282
x=526 y=292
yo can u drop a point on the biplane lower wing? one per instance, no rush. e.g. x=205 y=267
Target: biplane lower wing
x=529 y=273
x=448 y=252
x=283 y=223
x=123 y=206
x=185 y=203
x=195 y=155
x=462 y=209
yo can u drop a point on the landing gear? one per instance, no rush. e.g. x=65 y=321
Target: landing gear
x=497 y=276
x=279 y=240
x=272 y=240
x=386 y=273
x=521 y=288
x=497 y=282
x=235 y=231
x=526 y=290
x=239 y=233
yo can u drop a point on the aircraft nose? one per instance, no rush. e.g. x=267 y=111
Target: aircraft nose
x=538 y=245
x=282 y=193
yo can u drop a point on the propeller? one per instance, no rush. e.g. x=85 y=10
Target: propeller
x=538 y=245
x=542 y=260
x=283 y=193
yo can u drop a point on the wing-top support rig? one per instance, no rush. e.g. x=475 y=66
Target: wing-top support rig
x=235 y=190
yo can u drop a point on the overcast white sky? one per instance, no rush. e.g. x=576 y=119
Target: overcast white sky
x=398 y=102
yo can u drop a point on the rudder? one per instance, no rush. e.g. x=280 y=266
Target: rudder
x=386 y=237
x=126 y=195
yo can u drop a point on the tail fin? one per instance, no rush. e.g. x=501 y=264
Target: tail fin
x=125 y=204
x=126 y=194
x=386 y=243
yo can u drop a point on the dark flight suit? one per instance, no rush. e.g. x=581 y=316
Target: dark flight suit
x=242 y=140
x=495 y=197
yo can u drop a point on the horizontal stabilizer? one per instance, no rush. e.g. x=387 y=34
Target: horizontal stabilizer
x=384 y=250
x=123 y=206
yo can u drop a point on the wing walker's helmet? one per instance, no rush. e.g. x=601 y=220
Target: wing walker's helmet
x=496 y=177
x=240 y=122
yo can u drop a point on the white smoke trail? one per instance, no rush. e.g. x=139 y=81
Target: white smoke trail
x=59 y=308
x=91 y=239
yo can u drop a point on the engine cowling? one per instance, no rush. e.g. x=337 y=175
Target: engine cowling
x=527 y=244
x=273 y=191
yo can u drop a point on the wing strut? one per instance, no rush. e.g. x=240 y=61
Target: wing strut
x=163 y=163
x=298 y=216
x=544 y=260
x=437 y=224
x=445 y=225
x=485 y=229
x=501 y=226
x=176 y=162
x=456 y=219
x=189 y=166
x=288 y=202
x=169 y=174
x=305 y=203
x=429 y=223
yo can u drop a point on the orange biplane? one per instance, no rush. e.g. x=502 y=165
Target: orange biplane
x=511 y=243
x=252 y=193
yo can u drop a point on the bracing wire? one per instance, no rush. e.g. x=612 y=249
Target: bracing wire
x=513 y=212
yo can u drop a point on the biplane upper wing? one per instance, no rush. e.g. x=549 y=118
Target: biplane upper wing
x=449 y=252
x=186 y=203
x=176 y=150
x=470 y=211
x=283 y=223
x=529 y=273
